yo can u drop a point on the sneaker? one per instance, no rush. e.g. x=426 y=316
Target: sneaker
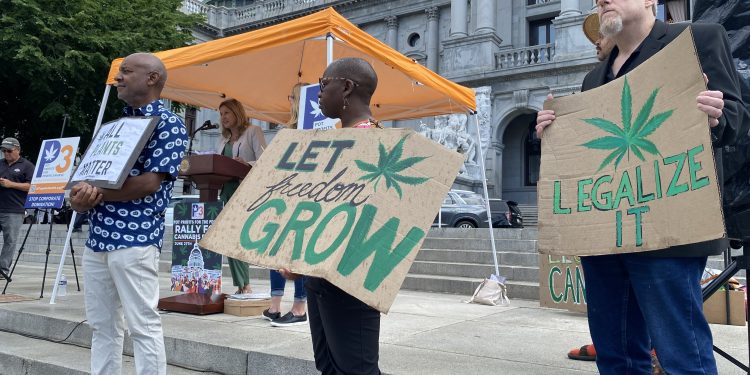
x=289 y=320
x=267 y=315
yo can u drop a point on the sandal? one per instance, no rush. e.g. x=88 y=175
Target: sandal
x=584 y=353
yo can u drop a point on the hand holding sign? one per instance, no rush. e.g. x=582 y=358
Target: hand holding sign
x=84 y=197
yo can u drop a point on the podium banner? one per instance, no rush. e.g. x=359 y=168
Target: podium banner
x=194 y=270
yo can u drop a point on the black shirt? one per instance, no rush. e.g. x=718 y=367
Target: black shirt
x=12 y=200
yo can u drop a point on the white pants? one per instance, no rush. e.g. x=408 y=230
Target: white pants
x=124 y=280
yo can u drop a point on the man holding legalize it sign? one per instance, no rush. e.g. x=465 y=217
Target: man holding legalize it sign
x=127 y=228
x=636 y=300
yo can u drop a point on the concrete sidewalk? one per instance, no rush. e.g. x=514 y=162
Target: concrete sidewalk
x=425 y=333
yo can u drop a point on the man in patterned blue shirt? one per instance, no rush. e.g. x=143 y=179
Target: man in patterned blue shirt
x=127 y=226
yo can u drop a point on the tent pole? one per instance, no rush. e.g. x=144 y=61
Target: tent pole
x=99 y=118
x=329 y=49
x=486 y=193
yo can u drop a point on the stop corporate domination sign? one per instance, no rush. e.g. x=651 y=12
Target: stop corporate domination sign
x=351 y=206
x=628 y=167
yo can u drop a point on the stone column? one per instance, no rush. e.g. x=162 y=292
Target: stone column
x=432 y=38
x=486 y=10
x=458 y=18
x=391 y=35
x=497 y=177
x=569 y=8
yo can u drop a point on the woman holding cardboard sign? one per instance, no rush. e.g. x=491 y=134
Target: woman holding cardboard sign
x=345 y=331
x=245 y=143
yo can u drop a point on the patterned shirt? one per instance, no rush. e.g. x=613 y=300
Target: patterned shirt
x=140 y=222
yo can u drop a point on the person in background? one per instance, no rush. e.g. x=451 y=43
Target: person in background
x=245 y=143
x=15 y=180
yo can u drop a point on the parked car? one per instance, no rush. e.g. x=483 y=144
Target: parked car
x=169 y=212
x=467 y=209
x=508 y=214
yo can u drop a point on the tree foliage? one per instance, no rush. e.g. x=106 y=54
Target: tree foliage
x=55 y=57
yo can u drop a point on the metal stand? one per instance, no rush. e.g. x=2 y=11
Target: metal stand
x=738 y=262
x=8 y=277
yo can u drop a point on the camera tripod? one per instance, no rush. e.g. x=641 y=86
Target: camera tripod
x=8 y=277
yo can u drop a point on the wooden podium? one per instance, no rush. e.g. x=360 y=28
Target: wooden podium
x=209 y=173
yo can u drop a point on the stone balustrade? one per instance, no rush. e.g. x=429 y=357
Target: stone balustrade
x=526 y=56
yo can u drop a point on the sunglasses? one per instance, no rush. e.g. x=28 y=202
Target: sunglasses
x=324 y=81
x=7 y=151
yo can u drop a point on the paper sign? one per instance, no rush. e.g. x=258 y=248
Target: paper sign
x=113 y=152
x=351 y=206
x=310 y=115
x=53 y=168
x=629 y=167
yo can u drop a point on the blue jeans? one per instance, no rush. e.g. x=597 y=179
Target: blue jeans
x=633 y=297
x=278 y=283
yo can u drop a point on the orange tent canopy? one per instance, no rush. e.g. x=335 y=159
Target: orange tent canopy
x=260 y=68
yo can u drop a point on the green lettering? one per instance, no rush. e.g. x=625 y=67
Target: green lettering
x=625 y=190
x=361 y=247
x=637 y=211
x=552 y=272
x=569 y=285
x=675 y=188
x=657 y=179
x=311 y=257
x=582 y=195
x=618 y=228
x=270 y=229
x=557 y=209
x=639 y=188
x=607 y=195
x=295 y=224
x=694 y=167
x=580 y=285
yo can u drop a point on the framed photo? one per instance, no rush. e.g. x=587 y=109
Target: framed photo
x=113 y=151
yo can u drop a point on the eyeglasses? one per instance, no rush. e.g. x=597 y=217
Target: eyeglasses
x=324 y=81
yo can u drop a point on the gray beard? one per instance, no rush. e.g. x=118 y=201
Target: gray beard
x=612 y=27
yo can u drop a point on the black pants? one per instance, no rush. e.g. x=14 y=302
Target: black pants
x=345 y=331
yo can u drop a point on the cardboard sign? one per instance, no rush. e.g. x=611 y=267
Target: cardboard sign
x=194 y=270
x=561 y=283
x=310 y=116
x=628 y=167
x=113 y=152
x=351 y=206
x=53 y=168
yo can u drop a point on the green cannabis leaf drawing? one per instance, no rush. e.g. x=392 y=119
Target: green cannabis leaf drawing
x=632 y=136
x=389 y=167
x=212 y=212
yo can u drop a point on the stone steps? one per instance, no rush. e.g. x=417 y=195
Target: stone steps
x=40 y=356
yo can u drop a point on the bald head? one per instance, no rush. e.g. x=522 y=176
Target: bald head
x=151 y=64
x=356 y=69
x=141 y=78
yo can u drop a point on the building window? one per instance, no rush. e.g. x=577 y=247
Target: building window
x=532 y=156
x=541 y=32
x=413 y=39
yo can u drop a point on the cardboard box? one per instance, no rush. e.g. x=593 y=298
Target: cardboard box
x=715 y=308
x=252 y=307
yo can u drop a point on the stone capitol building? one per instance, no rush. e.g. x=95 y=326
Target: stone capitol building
x=513 y=53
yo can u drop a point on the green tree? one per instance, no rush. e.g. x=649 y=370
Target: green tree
x=55 y=57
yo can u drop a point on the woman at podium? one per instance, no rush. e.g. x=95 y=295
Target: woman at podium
x=245 y=143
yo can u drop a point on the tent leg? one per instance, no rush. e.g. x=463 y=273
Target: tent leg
x=73 y=218
x=329 y=49
x=478 y=145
